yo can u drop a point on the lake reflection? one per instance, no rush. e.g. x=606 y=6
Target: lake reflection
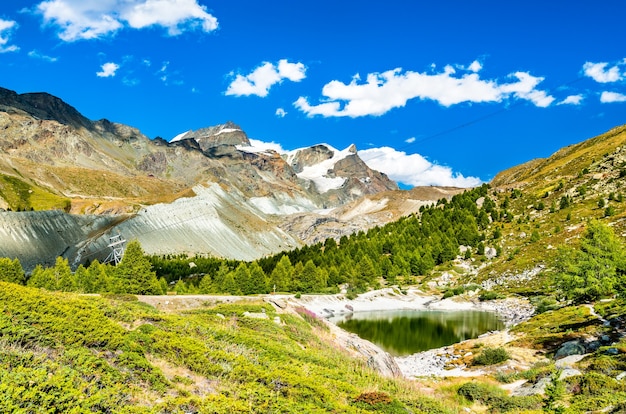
x=406 y=332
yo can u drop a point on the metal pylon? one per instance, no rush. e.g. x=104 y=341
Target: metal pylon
x=116 y=244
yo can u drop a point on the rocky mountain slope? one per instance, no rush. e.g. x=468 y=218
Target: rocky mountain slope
x=208 y=191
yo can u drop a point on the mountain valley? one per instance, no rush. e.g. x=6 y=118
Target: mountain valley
x=237 y=254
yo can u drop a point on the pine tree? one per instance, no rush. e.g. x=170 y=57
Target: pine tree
x=309 y=279
x=242 y=278
x=281 y=278
x=258 y=279
x=206 y=285
x=229 y=285
x=83 y=282
x=64 y=277
x=100 y=277
x=42 y=278
x=11 y=271
x=134 y=273
x=597 y=269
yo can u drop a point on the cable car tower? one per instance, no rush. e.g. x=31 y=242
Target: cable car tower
x=117 y=245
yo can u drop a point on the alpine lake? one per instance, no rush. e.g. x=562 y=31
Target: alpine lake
x=406 y=332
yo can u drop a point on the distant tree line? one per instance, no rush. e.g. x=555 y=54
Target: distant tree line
x=395 y=253
x=132 y=275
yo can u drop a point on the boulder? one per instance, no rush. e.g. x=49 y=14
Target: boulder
x=570 y=348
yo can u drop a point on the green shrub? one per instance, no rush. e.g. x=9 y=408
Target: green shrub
x=490 y=356
x=475 y=391
x=489 y=295
x=496 y=398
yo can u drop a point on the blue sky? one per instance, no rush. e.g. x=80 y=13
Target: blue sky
x=432 y=93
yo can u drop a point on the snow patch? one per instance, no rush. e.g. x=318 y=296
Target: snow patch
x=226 y=130
x=318 y=173
x=179 y=137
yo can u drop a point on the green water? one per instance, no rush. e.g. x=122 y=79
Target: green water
x=406 y=332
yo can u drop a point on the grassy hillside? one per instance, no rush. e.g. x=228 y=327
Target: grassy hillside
x=69 y=353
x=548 y=203
x=22 y=196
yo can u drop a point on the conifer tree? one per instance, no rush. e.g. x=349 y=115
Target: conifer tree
x=99 y=277
x=281 y=278
x=134 y=273
x=595 y=270
x=309 y=279
x=64 y=278
x=206 y=285
x=229 y=285
x=42 y=278
x=83 y=282
x=258 y=279
x=242 y=278
x=11 y=271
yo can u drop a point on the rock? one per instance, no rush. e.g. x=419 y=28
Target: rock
x=568 y=361
x=570 y=348
x=490 y=253
x=612 y=351
x=621 y=376
x=256 y=315
x=538 y=388
x=569 y=372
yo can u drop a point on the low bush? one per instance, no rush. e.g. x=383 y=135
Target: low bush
x=489 y=295
x=496 y=398
x=490 y=356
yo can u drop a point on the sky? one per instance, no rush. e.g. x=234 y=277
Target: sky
x=431 y=93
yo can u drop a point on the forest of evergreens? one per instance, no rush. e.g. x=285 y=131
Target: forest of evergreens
x=395 y=254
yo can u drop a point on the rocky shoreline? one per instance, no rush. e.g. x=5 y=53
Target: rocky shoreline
x=434 y=362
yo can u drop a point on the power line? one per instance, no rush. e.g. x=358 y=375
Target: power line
x=473 y=121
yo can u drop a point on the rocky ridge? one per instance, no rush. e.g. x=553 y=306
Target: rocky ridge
x=208 y=191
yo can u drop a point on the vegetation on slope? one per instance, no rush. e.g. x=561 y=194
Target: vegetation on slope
x=62 y=352
x=21 y=196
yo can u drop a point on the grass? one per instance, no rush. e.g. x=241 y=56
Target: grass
x=21 y=196
x=550 y=329
x=68 y=352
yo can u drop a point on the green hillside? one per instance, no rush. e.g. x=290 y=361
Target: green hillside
x=69 y=353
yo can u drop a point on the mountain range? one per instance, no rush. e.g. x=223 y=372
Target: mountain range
x=68 y=184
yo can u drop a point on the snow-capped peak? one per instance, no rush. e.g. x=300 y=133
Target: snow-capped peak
x=318 y=173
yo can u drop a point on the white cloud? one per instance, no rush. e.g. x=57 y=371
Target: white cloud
x=6 y=31
x=280 y=112
x=175 y=15
x=572 y=100
x=475 y=66
x=599 y=73
x=255 y=143
x=261 y=79
x=413 y=169
x=295 y=72
x=410 y=140
x=609 y=97
x=382 y=92
x=108 y=70
x=35 y=54
x=92 y=19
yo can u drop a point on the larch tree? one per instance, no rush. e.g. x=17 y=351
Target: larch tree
x=134 y=273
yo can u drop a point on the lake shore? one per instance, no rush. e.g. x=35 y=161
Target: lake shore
x=511 y=310
x=434 y=362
